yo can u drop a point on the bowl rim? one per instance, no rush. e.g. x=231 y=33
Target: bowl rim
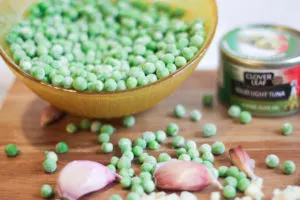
x=15 y=68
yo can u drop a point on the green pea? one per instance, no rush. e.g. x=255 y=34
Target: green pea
x=143 y=157
x=241 y=175
x=180 y=61
x=96 y=127
x=218 y=148
x=80 y=84
x=148 y=136
x=147 y=167
x=207 y=156
x=124 y=162
x=289 y=167
x=151 y=78
x=71 y=128
x=110 y=85
x=150 y=159
x=103 y=138
x=136 y=180
x=234 y=111
x=185 y=157
x=178 y=141
x=229 y=191
x=172 y=129
x=46 y=191
x=272 y=161
x=208 y=100
x=243 y=184
x=140 y=142
x=160 y=136
x=108 y=129
x=153 y=145
x=190 y=144
x=193 y=153
x=162 y=72
x=180 y=151
x=137 y=151
x=145 y=176
x=61 y=147
x=149 y=186
x=233 y=171
x=205 y=148
x=11 y=150
x=223 y=171
x=195 y=115
x=128 y=154
x=287 y=129
x=245 y=117
x=125 y=182
x=107 y=147
x=49 y=166
x=179 y=111
x=129 y=121
x=230 y=181
x=114 y=160
x=163 y=157
x=131 y=82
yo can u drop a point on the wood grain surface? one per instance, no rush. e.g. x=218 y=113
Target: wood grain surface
x=22 y=177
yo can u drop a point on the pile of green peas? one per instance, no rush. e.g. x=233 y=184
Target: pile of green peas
x=272 y=161
x=108 y=45
x=234 y=181
x=236 y=112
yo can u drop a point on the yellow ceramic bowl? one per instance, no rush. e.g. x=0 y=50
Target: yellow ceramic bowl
x=110 y=104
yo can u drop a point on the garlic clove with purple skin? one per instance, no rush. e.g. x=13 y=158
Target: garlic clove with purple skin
x=50 y=114
x=79 y=178
x=183 y=176
x=241 y=159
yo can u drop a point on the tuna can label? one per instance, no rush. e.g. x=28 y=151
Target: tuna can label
x=260 y=69
x=263 y=92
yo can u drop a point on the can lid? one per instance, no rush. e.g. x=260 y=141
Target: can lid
x=260 y=45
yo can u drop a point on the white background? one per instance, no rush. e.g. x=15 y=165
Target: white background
x=232 y=13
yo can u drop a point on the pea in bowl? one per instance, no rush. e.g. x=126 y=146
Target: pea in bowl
x=108 y=103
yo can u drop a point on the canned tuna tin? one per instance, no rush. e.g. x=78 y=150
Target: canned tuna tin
x=260 y=69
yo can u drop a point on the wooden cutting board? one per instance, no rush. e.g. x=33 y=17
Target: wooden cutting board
x=22 y=177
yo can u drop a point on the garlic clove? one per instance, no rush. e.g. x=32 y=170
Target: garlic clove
x=215 y=196
x=79 y=178
x=241 y=159
x=255 y=189
x=187 y=196
x=172 y=197
x=183 y=176
x=50 y=114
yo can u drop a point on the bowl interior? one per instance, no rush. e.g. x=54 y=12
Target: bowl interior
x=12 y=11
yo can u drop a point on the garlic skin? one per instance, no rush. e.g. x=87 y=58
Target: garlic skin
x=79 y=178
x=180 y=175
x=289 y=193
x=50 y=114
x=241 y=159
x=187 y=196
x=255 y=189
x=215 y=196
x=174 y=196
x=243 y=198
